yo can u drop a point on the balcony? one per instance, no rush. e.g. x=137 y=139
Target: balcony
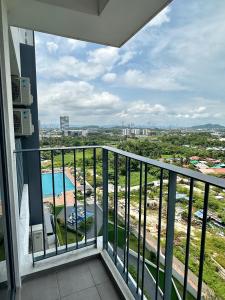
x=94 y=218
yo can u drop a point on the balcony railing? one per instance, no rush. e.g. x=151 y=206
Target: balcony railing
x=103 y=180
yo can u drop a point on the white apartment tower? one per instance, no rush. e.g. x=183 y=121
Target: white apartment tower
x=64 y=123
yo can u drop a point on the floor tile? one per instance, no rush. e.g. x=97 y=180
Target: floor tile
x=74 y=279
x=98 y=271
x=44 y=287
x=87 y=294
x=107 y=291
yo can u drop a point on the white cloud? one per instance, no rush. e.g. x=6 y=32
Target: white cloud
x=109 y=77
x=105 y=56
x=52 y=47
x=97 y=63
x=78 y=99
x=141 y=109
x=126 y=57
x=181 y=58
x=200 y=109
x=165 y=79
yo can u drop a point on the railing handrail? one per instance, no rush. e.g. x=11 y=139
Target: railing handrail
x=218 y=182
x=58 y=148
x=215 y=181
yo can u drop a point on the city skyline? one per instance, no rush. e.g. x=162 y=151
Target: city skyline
x=149 y=80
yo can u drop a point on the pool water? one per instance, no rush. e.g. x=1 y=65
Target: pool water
x=58 y=178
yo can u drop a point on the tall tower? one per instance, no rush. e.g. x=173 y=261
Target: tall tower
x=64 y=123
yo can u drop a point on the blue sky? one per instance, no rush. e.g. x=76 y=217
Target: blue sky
x=171 y=73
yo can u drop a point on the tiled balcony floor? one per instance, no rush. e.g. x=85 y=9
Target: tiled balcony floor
x=86 y=280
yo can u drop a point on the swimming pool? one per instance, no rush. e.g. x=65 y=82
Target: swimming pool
x=58 y=177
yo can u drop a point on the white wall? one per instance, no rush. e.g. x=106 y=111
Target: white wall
x=9 y=133
x=17 y=36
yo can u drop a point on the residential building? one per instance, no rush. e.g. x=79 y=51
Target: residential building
x=146 y=131
x=36 y=261
x=126 y=132
x=76 y=132
x=64 y=123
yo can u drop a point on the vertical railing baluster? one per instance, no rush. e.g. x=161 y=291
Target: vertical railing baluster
x=64 y=197
x=115 y=205
x=139 y=226
x=53 y=192
x=95 y=204
x=85 y=204
x=144 y=231
x=128 y=222
x=29 y=203
x=170 y=235
x=190 y=205
x=203 y=239
x=125 y=216
x=42 y=205
x=75 y=191
x=105 y=197
x=159 y=234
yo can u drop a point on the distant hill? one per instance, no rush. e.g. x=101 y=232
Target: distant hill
x=208 y=126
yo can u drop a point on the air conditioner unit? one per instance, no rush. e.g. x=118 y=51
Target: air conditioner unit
x=37 y=237
x=22 y=122
x=21 y=91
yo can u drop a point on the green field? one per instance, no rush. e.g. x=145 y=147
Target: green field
x=61 y=231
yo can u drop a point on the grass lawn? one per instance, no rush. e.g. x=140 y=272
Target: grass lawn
x=71 y=235
x=134 y=178
x=69 y=159
x=58 y=209
x=61 y=232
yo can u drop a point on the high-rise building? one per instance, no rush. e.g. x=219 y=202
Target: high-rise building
x=64 y=123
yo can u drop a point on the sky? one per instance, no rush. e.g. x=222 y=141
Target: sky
x=171 y=73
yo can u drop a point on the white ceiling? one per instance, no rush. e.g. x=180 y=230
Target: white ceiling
x=109 y=22
x=94 y=7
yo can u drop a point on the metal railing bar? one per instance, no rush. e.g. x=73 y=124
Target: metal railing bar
x=128 y=221
x=75 y=190
x=139 y=226
x=63 y=251
x=105 y=197
x=94 y=183
x=144 y=231
x=219 y=182
x=29 y=195
x=85 y=204
x=159 y=234
x=42 y=205
x=125 y=215
x=53 y=192
x=55 y=149
x=188 y=238
x=115 y=205
x=170 y=234
x=64 y=197
x=203 y=239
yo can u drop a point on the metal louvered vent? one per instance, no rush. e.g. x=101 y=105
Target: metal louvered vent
x=17 y=122
x=16 y=92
